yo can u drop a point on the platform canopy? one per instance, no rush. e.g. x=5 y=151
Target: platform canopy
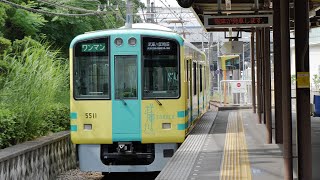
x=241 y=15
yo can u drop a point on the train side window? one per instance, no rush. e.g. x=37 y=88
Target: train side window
x=91 y=70
x=187 y=69
x=200 y=78
x=205 y=78
x=194 y=79
x=161 y=77
x=188 y=78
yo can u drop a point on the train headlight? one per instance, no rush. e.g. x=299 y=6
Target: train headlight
x=166 y=125
x=87 y=126
x=118 y=41
x=132 y=41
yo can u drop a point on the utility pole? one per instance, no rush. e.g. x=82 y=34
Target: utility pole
x=152 y=12
x=129 y=19
x=148 y=11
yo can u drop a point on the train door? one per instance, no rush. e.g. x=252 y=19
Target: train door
x=125 y=95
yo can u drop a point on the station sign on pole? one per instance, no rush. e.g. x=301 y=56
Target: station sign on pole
x=264 y=20
x=238 y=87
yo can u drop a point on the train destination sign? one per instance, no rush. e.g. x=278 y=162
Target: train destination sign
x=158 y=46
x=238 y=21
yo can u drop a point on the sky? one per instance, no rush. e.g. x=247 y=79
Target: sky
x=172 y=3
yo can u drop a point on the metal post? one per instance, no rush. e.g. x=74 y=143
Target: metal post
x=267 y=87
x=253 y=84
x=218 y=64
x=258 y=35
x=129 y=20
x=277 y=72
x=262 y=54
x=303 y=89
x=219 y=6
x=202 y=42
x=243 y=77
x=257 y=4
x=224 y=86
x=210 y=53
x=286 y=88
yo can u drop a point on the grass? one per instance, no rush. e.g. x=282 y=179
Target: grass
x=37 y=79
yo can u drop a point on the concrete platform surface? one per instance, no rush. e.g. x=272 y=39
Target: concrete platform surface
x=232 y=145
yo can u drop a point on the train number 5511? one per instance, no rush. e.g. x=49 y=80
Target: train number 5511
x=91 y=115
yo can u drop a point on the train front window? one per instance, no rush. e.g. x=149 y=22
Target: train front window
x=125 y=77
x=91 y=70
x=161 y=77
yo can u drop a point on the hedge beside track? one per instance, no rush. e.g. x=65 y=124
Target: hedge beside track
x=43 y=158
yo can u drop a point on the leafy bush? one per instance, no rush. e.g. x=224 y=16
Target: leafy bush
x=7 y=128
x=56 y=118
x=12 y=131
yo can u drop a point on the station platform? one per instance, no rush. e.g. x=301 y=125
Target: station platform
x=232 y=145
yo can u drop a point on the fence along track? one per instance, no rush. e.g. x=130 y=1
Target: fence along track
x=43 y=158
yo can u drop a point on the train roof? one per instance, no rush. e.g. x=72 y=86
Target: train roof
x=137 y=28
x=149 y=26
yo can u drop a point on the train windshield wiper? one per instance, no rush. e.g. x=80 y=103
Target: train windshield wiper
x=124 y=102
x=160 y=104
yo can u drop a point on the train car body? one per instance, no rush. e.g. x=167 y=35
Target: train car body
x=134 y=96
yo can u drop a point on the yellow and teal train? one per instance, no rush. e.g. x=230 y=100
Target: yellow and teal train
x=135 y=95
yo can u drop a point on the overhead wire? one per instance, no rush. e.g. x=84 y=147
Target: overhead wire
x=181 y=18
x=81 y=9
x=95 y=13
x=66 y=6
x=174 y=15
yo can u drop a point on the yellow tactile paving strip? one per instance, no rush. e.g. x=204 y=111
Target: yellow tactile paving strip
x=235 y=164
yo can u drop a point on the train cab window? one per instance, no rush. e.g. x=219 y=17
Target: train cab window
x=91 y=70
x=161 y=77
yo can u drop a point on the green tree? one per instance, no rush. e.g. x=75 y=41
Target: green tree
x=3 y=17
x=20 y=23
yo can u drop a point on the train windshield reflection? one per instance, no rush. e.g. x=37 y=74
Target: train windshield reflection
x=161 y=68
